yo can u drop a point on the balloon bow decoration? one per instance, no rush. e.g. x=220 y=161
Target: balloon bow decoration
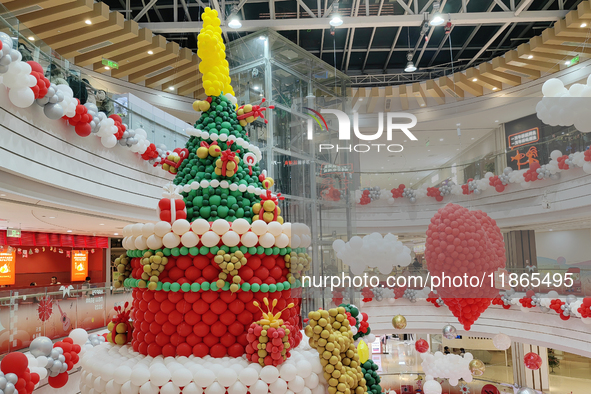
x=269 y=337
x=248 y=113
x=268 y=209
x=120 y=327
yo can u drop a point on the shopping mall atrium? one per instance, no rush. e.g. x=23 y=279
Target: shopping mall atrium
x=295 y=196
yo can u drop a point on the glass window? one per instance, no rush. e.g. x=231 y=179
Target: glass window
x=291 y=175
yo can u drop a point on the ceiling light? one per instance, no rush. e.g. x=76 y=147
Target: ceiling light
x=530 y=57
x=474 y=79
x=261 y=37
x=52 y=217
x=497 y=121
x=583 y=24
x=101 y=224
x=458 y=124
x=150 y=52
x=422 y=105
x=472 y=137
x=360 y=99
x=171 y=88
x=115 y=233
x=31 y=38
x=567 y=63
x=495 y=88
x=69 y=231
x=88 y=22
x=234 y=24
x=437 y=18
x=2 y=195
x=410 y=66
x=256 y=87
x=441 y=139
x=550 y=230
x=336 y=21
x=107 y=68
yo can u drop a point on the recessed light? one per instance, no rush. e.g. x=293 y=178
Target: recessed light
x=171 y=88
x=150 y=52
x=567 y=63
x=550 y=230
x=69 y=231
x=583 y=24
x=88 y=22
x=472 y=137
x=31 y=38
x=261 y=37
x=360 y=99
x=422 y=105
x=497 y=121
x=458 y=149
x=107 y=68
x=458 y=124
x=256 y=87
x=52 y=217
x=441 y=139
x=474 y=79
x=2 y=195
x=428 y=150
x=115 y=233
x=101 y=224
x=530 y=57
x=495 y=88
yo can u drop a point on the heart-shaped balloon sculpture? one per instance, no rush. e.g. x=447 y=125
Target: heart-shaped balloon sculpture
x=460 y=241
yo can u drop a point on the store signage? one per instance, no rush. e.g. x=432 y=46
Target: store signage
x=13 y=233
x=7 y=260
x=376 y=346
x=419 y=248
x=110 y=63
x=79 y=270
x=524 y=137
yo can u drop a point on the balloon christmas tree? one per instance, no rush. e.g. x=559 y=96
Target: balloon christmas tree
x=221 y=246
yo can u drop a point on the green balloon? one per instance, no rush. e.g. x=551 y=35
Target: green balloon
x=204 y=250
x=252 y=250
x=243 y=249
x=175 y=287
x=213 y=286
x=255 y=287
x=159 y=286
x=226 y=286
x=184 y=250
x=260 y=250
x=272 y=288
x=205 y=286
x=195 y=287
x=268 y=251
x=175 y=252
x=279 y=286
x=194 y=251
x=166 y=286
x=214 y=249
x=264 y=288
x=245 y=286
x=185 y=287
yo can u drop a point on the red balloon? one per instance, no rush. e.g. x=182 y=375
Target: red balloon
x=532 y=361
x=34 y=66
x=116 y=118
x=422 y=346
x=35 y=377
x=83 y=129
x=58 y=381
x=154 y=350
x=162 y=339
x=184 y=349
x=200 y=350
x=15 y=363
x=218 y=351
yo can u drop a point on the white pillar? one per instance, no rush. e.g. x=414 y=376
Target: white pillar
x=535 y=379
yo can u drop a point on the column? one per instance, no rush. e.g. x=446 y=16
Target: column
x=524 y=377
x=520 y=249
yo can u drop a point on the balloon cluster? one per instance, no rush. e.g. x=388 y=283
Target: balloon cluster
x=19 y=80
x=372 y=251
x=92 y=341
x=445 y=190
x=7 y=54
x=396 y=193
x=54 y=360
x=367 y=195
x=410 y=294
x=499 y=182
x=435 y=192
x=16 y=376
x=123 y=267
x=447 y=366
x=410 y=194
x=358 y=322
x=51 y=102
x=329 y=332
x=213 y=66
x=460 y=241
x=532 y=361
x=268 y=338
x=81 y=121
x=560 y=307
x=565 y=107
x=120 y=327
x=585 y=308
x=504 y=299
x=41 y=88
x=369 y=369
x=378 y=293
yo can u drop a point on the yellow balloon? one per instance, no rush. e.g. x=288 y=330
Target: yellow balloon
x=363 y=351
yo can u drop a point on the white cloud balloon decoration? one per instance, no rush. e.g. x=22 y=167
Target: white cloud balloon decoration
x=565 y=107
x=372 y=251
x=447 y=366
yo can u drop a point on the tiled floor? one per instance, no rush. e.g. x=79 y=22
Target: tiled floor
x=401 y=367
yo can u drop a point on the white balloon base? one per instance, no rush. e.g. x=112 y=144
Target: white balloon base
x=118 y=369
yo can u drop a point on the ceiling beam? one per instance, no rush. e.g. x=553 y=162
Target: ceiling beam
x=512 y=57
x=171 y=75
x=396 y=37
x=123 y=47
x=499 y=63
x=419 y=93
x=305 y=7
x=373 y=33
x=489 y=43
x=474 y=75
x=502 y=5
x=488 y=71
x=402 y=93
x=116 y=22
x=435 y=91
x=99 y=13
x=184 y=57
x=406 y=8
x=53 y=13
x=462 y=81
x=454 y=90
x=144 y=10
x=469 y=19
x=523 y=6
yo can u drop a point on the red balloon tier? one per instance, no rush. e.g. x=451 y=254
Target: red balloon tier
x=220 y=248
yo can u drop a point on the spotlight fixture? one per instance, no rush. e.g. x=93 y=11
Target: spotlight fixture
x=530 y=57
x=261 y=38
x=336 y=21
x=437 y=18
x=410 y=66
x=115 y=233
x=69 y=231
x=150 y=52
x=582 y=25
x=31 y=38
x=171 y=88
x=474 y=79
x=88 y=22
x=107 y=68
x=495 y=88
x=235 y=24
x=567 y=63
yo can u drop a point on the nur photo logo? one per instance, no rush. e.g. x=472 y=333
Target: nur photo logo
x=392 y=120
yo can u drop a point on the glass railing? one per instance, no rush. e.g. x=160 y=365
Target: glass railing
x=54 y=311
x=87 y=88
